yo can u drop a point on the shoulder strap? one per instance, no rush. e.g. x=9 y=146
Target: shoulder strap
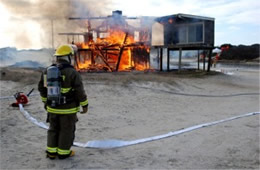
x=63 y=66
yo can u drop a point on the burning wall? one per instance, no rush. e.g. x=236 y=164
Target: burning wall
x=113 y=46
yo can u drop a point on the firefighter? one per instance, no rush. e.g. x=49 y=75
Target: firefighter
x=63 y=94
x=215 y=60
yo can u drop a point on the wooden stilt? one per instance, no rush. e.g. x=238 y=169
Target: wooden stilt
x=76 y=59
x=209 y=61
x=161 y=59
x=121 y=52
x=92 y=58
x=148 y=62
x=198 y=59
x=158 y=57
x=168 y=59
x=180 y=55
x=204 y=60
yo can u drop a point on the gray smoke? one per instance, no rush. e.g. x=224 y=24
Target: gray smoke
x=46 y=12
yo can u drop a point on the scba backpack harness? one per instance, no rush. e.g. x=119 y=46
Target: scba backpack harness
x=54 y=82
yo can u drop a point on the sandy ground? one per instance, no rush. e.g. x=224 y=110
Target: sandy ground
x=130 y=106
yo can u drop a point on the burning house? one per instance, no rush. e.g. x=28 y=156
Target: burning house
x=115 y=45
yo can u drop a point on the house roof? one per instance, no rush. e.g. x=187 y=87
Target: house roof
x=183 y=16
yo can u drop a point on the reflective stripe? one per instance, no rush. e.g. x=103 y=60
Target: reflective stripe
x=63 y=77
x=63 y=152
x=65 y=90
x=44 y=99
x=84 y=103
x=63 y=111
x=45 y=80
x=52 y=149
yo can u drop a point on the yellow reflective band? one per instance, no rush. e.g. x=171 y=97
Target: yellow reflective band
x=65 y=90
x=63 y=77
x=63 y=152
x=52 y=150
x=84 y=103
x=45 y=80
x=63 y=111
x=44 y=99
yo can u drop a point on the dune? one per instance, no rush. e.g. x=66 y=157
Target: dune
x=134 y=105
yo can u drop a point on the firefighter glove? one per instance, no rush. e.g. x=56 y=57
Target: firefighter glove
x=85 y=110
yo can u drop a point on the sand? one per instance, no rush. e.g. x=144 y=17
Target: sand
x=129 y=106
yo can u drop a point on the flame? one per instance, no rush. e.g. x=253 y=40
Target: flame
x=84 y=46
x=109 y=47
x=83 y=65
x=125 y=62
x=116 y=37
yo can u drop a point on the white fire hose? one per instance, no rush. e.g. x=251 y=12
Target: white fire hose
x=113 y=143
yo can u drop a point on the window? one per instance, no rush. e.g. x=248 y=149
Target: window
x=190 y=33
x=195 y=33
x=182 y=34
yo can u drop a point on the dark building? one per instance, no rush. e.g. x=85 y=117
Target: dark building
x=185 y=32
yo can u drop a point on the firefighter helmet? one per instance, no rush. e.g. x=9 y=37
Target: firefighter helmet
x=64 y=50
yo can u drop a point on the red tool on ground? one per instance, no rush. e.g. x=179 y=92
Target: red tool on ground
x=21 y=98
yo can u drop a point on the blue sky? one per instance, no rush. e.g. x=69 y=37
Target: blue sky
x=236 y=21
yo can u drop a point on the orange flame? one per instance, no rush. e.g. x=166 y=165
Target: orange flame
x=114 y=41
x=84 y=65
x=116 y=37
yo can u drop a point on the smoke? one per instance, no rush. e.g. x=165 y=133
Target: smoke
x=36 y=9
x=32 y=22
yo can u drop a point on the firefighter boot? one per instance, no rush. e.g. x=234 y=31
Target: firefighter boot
x=51 y=155
x=72 y=153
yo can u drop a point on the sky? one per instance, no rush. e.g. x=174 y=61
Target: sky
x=26 y=24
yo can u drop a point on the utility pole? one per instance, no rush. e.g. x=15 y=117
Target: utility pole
x=52 y=34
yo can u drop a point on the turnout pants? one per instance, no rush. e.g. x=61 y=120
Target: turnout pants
x=61 y=133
